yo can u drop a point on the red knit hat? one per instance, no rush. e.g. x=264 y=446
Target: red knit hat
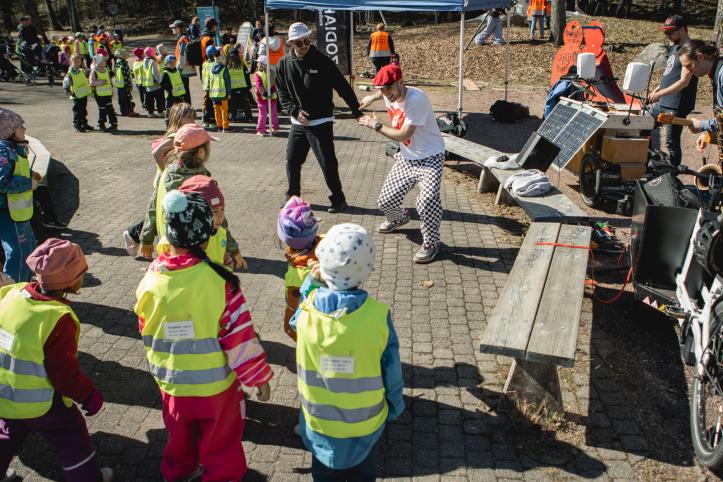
x=387 y=75
x=57 y=263
x=206 y=187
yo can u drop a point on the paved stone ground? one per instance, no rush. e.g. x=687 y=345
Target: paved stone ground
x=457 y=427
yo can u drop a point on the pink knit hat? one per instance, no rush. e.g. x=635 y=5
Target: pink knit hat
x=138 y=52
x=149 y=52
x=9 y=122
x=190 y=137
x=57 y=263
x=206 y=187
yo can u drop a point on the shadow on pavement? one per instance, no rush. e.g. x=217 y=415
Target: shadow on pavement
x=266 y=266
x=121 y=384
x=64 y=190
x=638 y=388
x=111 y=320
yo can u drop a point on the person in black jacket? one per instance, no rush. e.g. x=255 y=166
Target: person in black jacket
x=306 y=79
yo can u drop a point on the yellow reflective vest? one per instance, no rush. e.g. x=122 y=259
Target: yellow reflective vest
x=160 y=213
x=138 y=72
x=20 y=204
x=339 y=372
x=181 y=310
x=178 y=90
x=265 y=83
x=105 y=90
x=148 y=79
x=238 y=78
x=79 y=86
x=217 y=84
x=25 y=325
x=206 y=73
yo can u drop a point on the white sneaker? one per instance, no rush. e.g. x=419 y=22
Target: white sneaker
x=107 y=474
x=130 y=245
x=10 y=475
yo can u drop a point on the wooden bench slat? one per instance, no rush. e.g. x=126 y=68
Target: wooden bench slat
x=476 y=153
x=554 y=335
x=508 y=330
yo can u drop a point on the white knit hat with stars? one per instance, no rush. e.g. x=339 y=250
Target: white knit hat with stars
x=346 y=256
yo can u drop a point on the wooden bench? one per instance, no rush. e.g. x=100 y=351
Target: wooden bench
x=551 y=206
x=537 y=316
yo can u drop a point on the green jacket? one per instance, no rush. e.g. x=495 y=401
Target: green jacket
x=175 y=175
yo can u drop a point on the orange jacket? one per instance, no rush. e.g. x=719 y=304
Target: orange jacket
x=275 y=55
x=537 y=7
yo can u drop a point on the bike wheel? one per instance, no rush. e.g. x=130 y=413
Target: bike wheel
x=706 y=403
x=589 y=168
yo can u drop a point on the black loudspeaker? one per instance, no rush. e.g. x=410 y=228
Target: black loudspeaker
x=537 y=153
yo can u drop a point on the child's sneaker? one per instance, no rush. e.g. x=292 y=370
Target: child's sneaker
x=106 y=474
x=262 y=134
x=129 y=244
x=113 y=127
x=88 y=128
x=152 y=114
x=102 y=128
x=79 y=129
x=132 y=114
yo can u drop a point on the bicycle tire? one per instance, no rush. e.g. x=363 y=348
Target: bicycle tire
x=708 y=452
x=589 y=166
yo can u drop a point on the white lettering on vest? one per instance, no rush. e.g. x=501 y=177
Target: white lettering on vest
x=337 y=364
x=6 y=340
x=179 y=330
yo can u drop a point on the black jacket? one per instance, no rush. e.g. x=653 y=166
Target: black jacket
x=308 y=83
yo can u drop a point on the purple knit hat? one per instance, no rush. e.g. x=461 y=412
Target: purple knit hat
x=297 y=226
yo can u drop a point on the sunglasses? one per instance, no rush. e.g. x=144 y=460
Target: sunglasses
x=301 y=43
x=671 y=31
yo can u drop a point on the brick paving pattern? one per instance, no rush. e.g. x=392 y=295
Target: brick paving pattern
x=452 y=429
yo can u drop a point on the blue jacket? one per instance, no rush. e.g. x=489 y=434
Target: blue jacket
x=711 y=125
x=8 y=183
x=345 y=453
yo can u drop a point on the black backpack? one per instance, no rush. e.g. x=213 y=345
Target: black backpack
x=450 y=123
x=503 y=111
x=193 y=52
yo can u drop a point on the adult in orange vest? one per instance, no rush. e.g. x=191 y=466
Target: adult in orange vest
x=273 y=49
x=380 y=48
x=536 y=10
x=187 y=70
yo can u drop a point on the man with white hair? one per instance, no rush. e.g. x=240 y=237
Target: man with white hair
x=306 y=80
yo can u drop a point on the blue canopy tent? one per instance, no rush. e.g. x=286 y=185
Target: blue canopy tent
x=461 y=6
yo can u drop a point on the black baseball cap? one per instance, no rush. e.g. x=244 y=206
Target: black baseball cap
x=674 y=22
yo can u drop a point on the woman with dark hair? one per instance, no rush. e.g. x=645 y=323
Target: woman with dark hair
x=194 y=30
x=703 y=58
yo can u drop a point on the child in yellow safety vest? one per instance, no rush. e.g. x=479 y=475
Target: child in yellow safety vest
x=100 y=80
x=349 y=373
x=40 y=336
x=78 y=88
x=298 y=229
x=220 y=91
x=189 y=305
x=137 y=73
x=239 y=107
x=172 y=84
x=124 y=84
x=262 y=99
x=209 y=117
x=152 y=84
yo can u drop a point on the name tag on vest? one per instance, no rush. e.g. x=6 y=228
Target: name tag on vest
x=179 y=330
x=6 y=340
x=337 y=364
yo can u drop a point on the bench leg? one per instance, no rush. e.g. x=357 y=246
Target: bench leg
x=503 y=197
x=487 y=181
x=535 y=382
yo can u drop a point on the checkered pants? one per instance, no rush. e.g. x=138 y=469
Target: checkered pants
x=402 y=178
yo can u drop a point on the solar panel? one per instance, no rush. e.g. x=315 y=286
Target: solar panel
x=570 y=126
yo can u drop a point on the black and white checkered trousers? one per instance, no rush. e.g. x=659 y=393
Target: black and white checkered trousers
x=402 y=178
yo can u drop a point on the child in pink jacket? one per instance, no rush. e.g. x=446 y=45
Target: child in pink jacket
x=262 y=101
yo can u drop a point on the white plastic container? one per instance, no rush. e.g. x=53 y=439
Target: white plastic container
x=636 y=77
x=586 y=65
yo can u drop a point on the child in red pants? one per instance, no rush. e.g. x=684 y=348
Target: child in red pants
x=40 y=336
x=201 y=346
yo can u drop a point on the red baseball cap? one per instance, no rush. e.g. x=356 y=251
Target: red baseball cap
x=673 y=22
x=387 y=75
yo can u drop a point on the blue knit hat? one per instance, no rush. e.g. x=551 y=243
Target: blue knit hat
x=297 y=226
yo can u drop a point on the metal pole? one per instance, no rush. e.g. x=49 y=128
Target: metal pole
x=268 y=69
x=384 y=20
x=507 y=54
x=351 y=49
x=460 y=84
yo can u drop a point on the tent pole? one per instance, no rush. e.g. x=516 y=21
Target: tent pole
x=461 y=64
x=268 y=71
x=351 y=49
x=384 y=20
x=507 y=55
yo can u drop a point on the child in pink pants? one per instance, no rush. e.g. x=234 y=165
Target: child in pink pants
x=262 y=100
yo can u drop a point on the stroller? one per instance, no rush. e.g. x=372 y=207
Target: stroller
x=30 y=62
x=51 y=62
x=8 y=71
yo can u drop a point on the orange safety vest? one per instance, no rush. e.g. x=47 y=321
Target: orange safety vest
x=548 y=9
x=204 y=43
x=275 y=55
x=380 y=45
x=536 y=7
x=178 y=46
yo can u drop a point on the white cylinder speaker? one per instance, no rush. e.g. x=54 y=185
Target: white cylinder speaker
x=636 y=77
x=586 y=65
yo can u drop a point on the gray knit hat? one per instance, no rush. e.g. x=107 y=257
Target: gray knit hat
x=189 y=217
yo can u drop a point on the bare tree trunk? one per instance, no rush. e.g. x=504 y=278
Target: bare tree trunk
x=30 y=7
x=54 y=21
x=73 y=14
x=8 y=21
x=718 y=23
x=558 y=20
